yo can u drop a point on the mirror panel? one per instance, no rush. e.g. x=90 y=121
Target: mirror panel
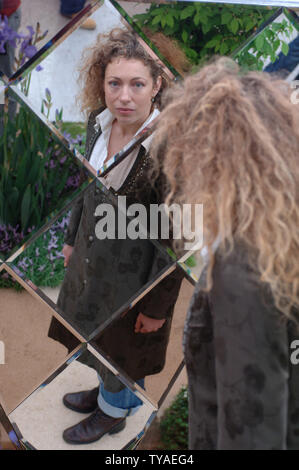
x=27 y=35
x=124 y=272
x=9 y=438
x=157 y=355
x=105 y=275
x=272 y=47
x=48 y=88
x=39 y=176
x=29 y=355
x=45 y=405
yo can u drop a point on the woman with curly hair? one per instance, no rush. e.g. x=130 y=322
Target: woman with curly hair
x=231 y=142
x=122 y=86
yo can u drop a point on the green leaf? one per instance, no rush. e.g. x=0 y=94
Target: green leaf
x=156 y=20
x=259 y=42
x=187 y=12
x=13 y=198
x=155 y=12
x=224 y=48
x=25 y=207
x=170 y=20
x=226 y=17
x=285 y=48
x=249 y=25
x=185 y=36
x=196 y=19
x=234 y=26
x=206 y=27
x=212 y=43
x=276 y=44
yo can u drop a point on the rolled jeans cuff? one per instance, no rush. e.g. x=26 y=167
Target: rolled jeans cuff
x=122 y=404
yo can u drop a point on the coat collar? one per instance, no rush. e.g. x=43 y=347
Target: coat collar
x=104 y=119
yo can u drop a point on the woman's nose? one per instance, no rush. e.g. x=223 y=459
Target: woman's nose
x=125 y=94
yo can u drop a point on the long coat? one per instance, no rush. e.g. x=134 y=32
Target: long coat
x=243 y=386
x=103 y=274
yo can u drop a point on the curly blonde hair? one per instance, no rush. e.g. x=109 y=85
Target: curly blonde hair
x=231 y=142
x=122 y=43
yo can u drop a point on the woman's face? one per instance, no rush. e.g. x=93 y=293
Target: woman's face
x=129 y=89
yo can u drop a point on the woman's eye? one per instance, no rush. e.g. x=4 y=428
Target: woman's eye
x=139 y=85
x=113 y=84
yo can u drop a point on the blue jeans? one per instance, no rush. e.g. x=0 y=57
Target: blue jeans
x=69 y=7
x=119 y=404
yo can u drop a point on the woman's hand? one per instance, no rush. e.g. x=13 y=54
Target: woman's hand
x=146 y=324
x=67 y=251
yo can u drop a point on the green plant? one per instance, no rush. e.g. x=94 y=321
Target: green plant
x=43 y=262
x=205 y=29
x=265 y=45
x=6 y=281
x=34 y=172
x=174 y=423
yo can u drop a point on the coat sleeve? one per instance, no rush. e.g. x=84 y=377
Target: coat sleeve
x=76 y=212
x=252 y=360
x=160 y=301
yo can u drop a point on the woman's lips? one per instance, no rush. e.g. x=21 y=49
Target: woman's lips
x=125 y=110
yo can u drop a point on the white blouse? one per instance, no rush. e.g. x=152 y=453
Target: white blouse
x=118 y=174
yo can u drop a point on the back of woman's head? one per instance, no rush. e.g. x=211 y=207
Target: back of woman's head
x=232 y=145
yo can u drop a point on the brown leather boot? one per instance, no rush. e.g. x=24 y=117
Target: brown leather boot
x=94 y=427
x=83 y=402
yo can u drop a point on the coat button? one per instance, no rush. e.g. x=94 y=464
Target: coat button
x=90 y=238
x=85 y=282
x=87 y=260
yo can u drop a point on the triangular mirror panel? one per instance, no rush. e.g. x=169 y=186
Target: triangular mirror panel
x=29 y=355
x=46 y=405
x=38 y=177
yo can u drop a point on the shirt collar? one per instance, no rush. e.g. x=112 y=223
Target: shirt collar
x=105 y=118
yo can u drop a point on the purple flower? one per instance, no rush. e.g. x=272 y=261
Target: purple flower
x=23 y=265
x=52 y=257
x=52 y=244
x=31 y=31
x=29 y=51
x=39 y=68
x=9 y=237
x=7 y=35
x=73 y=181
x=67 y=135
x=48 y=94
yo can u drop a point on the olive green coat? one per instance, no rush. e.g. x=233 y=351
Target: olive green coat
x=103 y=274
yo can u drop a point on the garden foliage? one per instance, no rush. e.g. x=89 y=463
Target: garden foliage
x=174 y=423
x=204 y=30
